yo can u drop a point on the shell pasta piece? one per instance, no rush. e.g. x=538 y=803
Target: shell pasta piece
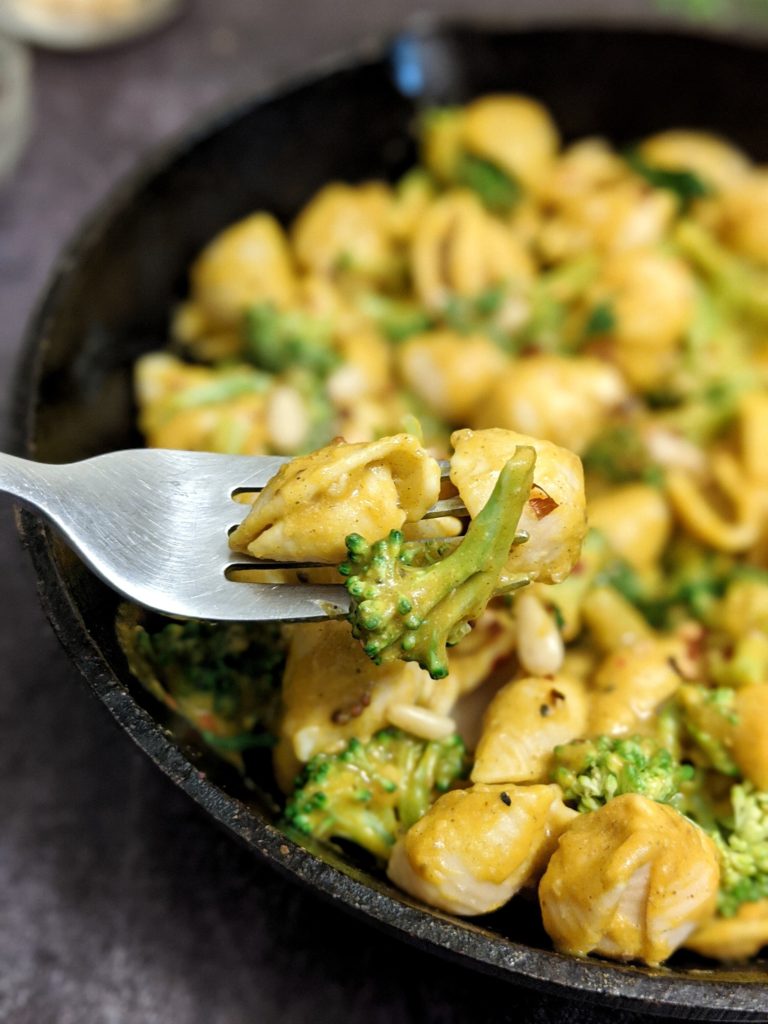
x=566 y=401
x=524 y=722
x=629 y=686
x=554 y=517
x=460 y=249
x=585 y=328
x=631 y=881
x=332 y=692
x=248 y=262
x=733 y=938
x=450 y=372
x=315 y=501
x=475 y=848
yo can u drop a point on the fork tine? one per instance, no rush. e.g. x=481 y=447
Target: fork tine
x=258 y=471
x=238 y=561
x=447 y=507
x=133 y=516
x=255 y=602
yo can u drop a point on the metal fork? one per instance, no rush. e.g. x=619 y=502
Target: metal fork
x=153 y=524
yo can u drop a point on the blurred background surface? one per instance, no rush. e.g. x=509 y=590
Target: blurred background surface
x=119 y=902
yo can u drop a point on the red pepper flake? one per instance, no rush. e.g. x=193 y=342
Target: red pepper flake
x=693 y=635
x=556 y=695
x=540 y=502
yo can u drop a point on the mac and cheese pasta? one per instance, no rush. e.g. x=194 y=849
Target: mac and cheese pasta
x=595 y=318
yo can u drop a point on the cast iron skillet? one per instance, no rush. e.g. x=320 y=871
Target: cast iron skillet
x=109 y=302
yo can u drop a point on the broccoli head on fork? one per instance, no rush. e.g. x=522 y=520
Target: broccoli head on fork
x=411 y=599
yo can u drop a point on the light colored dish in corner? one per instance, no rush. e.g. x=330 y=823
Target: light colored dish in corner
x=83 y=24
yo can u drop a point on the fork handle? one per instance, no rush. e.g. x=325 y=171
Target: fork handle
x=30 y=482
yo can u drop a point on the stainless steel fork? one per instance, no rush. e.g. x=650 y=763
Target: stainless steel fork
x=153 y=524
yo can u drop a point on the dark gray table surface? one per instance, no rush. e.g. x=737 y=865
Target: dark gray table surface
x=119 y=902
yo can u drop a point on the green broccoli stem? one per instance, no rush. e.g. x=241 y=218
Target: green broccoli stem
x=738 y=284
x=230 y=383
x=686 y=185
x=449 y=621
x=426 y=772
x=405 y=611
x=278 y=340
x=488 y=540
x=496 y=188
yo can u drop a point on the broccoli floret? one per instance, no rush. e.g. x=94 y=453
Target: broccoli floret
x=372 y=791
x=686 y=185
x=601 y=320
x=222 y=678
x=707 y=716
x=497 y=189
x=592 y=772
x=477 y=313
x=743 y=847
x=700 y=397
x=225 y=385
x=691 y=586
x=692 y=583
x=553 y=325
x=321 y=415
x=277 y=340
x=545 y=328
x=397 y=319
x=411 y=600
x=444 y=153
x=620 y=455
x=741 y=286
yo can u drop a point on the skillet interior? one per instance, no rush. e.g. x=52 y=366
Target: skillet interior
x=109 y=302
